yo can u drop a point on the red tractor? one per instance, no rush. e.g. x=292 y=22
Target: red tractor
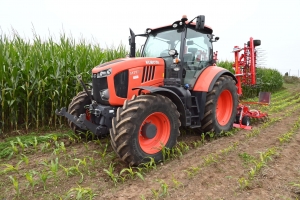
x=142 y=101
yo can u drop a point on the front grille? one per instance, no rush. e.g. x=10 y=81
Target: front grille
x=148 y=73
x=121 y=84
x=98 y=85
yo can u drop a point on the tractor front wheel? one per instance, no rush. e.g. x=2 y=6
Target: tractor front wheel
x=76 y=108
x=143 y=127
x=221 y=106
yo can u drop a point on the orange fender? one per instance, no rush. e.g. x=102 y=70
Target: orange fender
x=209 y=76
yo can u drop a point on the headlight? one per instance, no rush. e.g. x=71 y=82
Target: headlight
x=104 y=94
x=104 y=73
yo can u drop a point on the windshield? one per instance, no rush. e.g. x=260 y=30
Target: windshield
x=159 y=44
x=198 y=47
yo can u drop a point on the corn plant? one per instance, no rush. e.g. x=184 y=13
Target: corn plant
x=210 y=159
x=35 y=144
x=81 y=193
x=183 y=147
x=243 y=183
x=81 y=162
x=25 y=159
x=165 y=153
x=92 y=161
x=44 y=175
x=53 y=167
x=110 y=172
x=176 y=182
x=155 y=193
x=30 y=178
x=246 y=158
x=73 y=170
x=14 y=148
x=11 y=168
x=149 y=165
x=102 y=153
x=60 y=147
x=192 y=171
x=45 y=146
x=164 y=188
x=229 y=149
x=131 y=173
x=15 y=183
x=21 y=144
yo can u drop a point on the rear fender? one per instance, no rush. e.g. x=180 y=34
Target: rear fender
x=206 y=82
x=167 y=93
x=208 y=78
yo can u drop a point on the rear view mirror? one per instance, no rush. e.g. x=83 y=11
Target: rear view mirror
x=200 y=22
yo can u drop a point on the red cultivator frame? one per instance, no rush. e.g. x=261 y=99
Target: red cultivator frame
x=245 y=65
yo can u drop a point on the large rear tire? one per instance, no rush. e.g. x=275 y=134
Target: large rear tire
x=221 y=106
x=143 y=126
x=76 y=108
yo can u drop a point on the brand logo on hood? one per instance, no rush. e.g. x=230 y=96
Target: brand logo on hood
x=151 y=62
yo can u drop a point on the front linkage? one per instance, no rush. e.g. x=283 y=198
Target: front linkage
x=96 y=119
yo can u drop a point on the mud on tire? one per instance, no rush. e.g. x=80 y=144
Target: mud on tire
x=76 y=107
x=221 y=106
x=127 y=136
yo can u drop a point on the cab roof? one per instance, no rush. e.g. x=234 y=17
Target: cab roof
x=207 y=29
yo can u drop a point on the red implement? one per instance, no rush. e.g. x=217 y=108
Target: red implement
x=245 y=65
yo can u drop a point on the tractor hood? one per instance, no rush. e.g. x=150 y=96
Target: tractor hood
x=128 y=63
x=118 y=78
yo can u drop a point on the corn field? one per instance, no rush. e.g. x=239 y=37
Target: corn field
x=36 y=77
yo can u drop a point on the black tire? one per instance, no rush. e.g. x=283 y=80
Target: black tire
x=237 y=119
x=126 y=127
x=255 y=43
x=76 y=107
x=246 y=121
x=210 y=121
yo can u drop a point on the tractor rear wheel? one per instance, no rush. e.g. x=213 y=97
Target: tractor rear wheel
x=143 y=126
x=76 y=108
x=221 y=106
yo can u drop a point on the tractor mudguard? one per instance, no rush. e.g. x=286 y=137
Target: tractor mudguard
x=171 y=95
x=209 y=76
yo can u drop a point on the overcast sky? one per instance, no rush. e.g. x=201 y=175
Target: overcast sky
x=275 y=22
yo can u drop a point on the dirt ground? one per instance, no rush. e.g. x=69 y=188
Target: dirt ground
x=217 y=169
x=219 y=180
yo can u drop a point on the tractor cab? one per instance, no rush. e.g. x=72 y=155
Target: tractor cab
x=186 y=48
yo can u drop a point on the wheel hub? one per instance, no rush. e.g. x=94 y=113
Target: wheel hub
x=149 y=130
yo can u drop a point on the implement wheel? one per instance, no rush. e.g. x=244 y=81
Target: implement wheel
x=221 y=106
x=143 y=126
x=76 y=107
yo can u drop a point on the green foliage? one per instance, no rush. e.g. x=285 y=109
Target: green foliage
x=111 y=173
x=16 y=185
x=80 y=193
x=38 y=76
x=12 y=145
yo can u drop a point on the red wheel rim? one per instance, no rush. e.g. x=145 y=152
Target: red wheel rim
x=162 y=123
x=224 y=107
